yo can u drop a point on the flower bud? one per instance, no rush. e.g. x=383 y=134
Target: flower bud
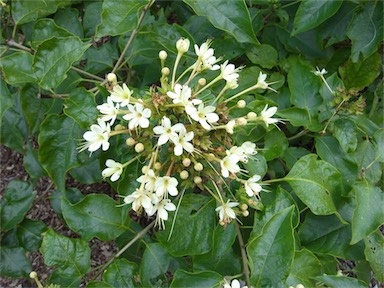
x=211 y=157
x=130 y=141
x=119 y=127
x=33 y=275
x=301 y=285
x=165 y=71
x=251 y=115
x=182 y=45
x=144 y=169
x=245 y=213
x=184 y=174
x=244 y=206
x=186 y=162
x=241 y=104
x=157 y=166
x=242 y=121
x=139 y=147
x=163 y=55
x=197 y=180
x=202 y=81
x=111 y=78
x=198 y=167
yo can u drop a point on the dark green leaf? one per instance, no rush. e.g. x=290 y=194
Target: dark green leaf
x=120 y=273
x=81 y=106
x=46 y=28
x=292 y=154
x=369 y=168
x=101 y=58
x=193 y=229
x=87 y=173
x=68 y=18
x=95 y=216
x=374 y=253
x=119 y=16
x=312 y=13
x=206 y=279
x=17 y=68
x=73 y=195
x=57 y=141
x=14 y=263
x=54 y=58
x=91 y=18
x=271 y=253
x=263 y=55
x=369 y=213
x=346 y=133
x=301 y=117
x=379 y=147
x=99 y=284
x=16 y=202
x=230 y=16
x=340 y=281
x=6 y=99
x=275 y=144
x=29 y=234
x=31 y=163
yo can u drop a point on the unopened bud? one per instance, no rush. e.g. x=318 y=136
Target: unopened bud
x=300 y=286
x=165 y=71
x=251 y=115
x=198 y=167
x=33 y=275
x=211 y=157
x=245 y=213
x=184 y=174
x=139 y=147
x=241 y=104
x=130 y=141
x=186 y=162
x=111 y=78
x=242 y=121
x=244 y=206
x=157 y=166
x=163 y=55
x=119 y=127
x=144 y=169
x=197 y=180
x=202 y=81
x=182 y=45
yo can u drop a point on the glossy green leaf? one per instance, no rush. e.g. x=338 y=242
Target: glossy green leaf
x=379 y=147
x=301 y=117
x=362 y=73
x=17 y=68
x=95 y=216
x=46 y=28
x=340 y=281
x=206 y=279
x=292 y=154
x=369 y=213
x=88 y=172
x=14 y=263
x=155 y=262
x=314 y=182
x=275 y=144
x=312 y=13
x=69 y=19
x=29 y=234
x=256 y=165
x=369 y=168
x=230 y=16
x=99 y=284
x=54 y=58
x=119 y=16
x=17 y=200
x=121 y=273
x=100 y=59
x=193 y=228
x=73 y=195
x=91 y=18
x=72 y=256
x=81 y=106
x=263 y=55
x=305 y=266
x=31 y=163
x=58 y=137
x=24 y=11
x=366 y=30
x=271 y=254
x=6 y=98
x=374 y=253
x=345 y=131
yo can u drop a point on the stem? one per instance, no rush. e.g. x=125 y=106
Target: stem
x=178 y=57
x=208 y=85
x=333 y=115
x=134 y=32
x=298 y=135
x=13 y=43
x=242 y=92
x=243 y=255
x=87 y=74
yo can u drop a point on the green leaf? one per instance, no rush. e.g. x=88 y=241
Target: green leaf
x=193 y=229
x=72 y=256
x=206 y=279
x=230 y=16
x=359 y=75
x=379 y=147
x=369 y=213
x=314 y=182
x=45 y=29
x=345 y=131
x=301 y=117
x=101 y=58
x=263 y=55
x=24 y=11
x=54 y=58
x=6 y=99
x=29 y=234
x=14 y=263
x=305 y=266
x=73 y=195
x=271 y=253
x=119 y=16
x=58 y=137
x=16 y=202
x=99 y=284
x=312 y=13
x=68 y=18
x=91 y=18
x=374 y=253
x=340 y=281
x=95 y=216
x=275 y=144
x=154 y=263
x=367 y=162
x=31 y=163
x=81 y=106
x=366 y=30
x=17 y=68
x=120 y=273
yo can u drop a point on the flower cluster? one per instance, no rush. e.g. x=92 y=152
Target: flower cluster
x=181 y=131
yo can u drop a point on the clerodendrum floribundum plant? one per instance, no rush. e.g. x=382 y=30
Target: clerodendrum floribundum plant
x=183 y=133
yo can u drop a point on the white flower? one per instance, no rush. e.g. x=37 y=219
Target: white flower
x=181 y=141
x=150 y=179
x=165 y=130
x=121 y=95
x=230 y=126
x=182 y=45
x=226 y=213
x=140 y=199
x=319 y=72
x=229 y=72
x=229 y=164
x=137 y=116
x=114 y=170
x=249 y=148
x=251 y=187
x=267 y=113
x=109 y=111
x=182 y=95
x=97 y=137
x=162 y=208
x=232 y=84
x=205 y=115
x=165 y=185
x=205 y=53
x=261 y=81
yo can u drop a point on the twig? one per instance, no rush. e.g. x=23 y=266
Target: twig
x=13 y=43
x=133 y=34
x=87 y=74
x=243 y=255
